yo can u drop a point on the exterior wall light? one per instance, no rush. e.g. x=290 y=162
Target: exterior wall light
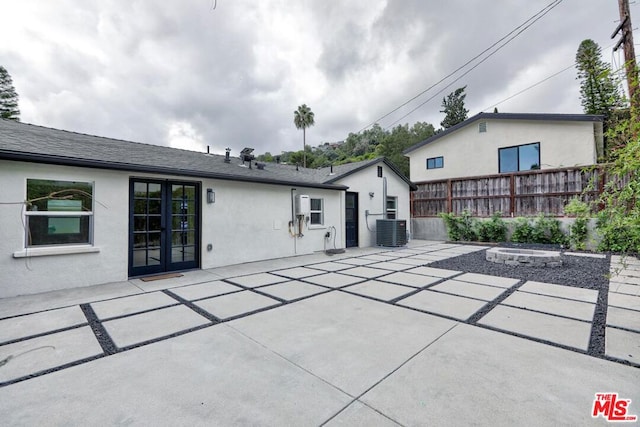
x=371 y=194
x=211 y=196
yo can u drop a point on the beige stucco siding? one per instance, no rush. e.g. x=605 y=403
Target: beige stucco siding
x=468 y=152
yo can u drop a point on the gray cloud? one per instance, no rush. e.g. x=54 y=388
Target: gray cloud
x=148 y=71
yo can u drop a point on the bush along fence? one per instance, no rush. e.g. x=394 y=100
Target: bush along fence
x=607 y=193
x=539 y=229
x=516 y=194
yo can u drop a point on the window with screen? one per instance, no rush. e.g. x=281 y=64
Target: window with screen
x=317 y=215
x=392 y=207
x=58 y=212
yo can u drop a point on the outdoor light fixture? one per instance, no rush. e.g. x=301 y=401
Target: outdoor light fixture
x=371 y=194
x=211 y=196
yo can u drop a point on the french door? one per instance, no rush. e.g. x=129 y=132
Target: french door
x=164 y=226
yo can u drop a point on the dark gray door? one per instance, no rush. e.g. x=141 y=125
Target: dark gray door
x=351 y=219
x=164 y=232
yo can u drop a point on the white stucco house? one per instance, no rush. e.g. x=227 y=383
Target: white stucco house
x=493 y=143
x=81 y=210
x=376 y=189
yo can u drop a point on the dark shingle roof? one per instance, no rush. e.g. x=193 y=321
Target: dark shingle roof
x=508 y=116
x=31 y=143
x=342 y=171
x=25 y=142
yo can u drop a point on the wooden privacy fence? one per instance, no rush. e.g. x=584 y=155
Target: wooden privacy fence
x=515 y=194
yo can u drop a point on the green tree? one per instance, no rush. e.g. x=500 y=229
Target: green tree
x=303 y=118
x=453 y=108
x=599 y=92
x=368 y=144
x=421 y=131
x=8 y=97
x=266 y=157
x=401 y=138
x=619 y=220
x=361 y=143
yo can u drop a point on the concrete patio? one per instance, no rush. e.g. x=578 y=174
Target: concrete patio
x=370 y=337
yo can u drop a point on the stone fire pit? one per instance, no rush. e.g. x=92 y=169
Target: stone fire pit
x=524 y=257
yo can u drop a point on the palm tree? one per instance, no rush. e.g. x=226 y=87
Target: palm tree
x=303 y=118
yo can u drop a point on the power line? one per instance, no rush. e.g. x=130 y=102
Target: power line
x=531 y=87
x=615 y=70
x=540 y=15
x=533 y=18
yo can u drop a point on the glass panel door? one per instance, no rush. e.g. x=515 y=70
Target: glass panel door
x=184 y=225
x=146 y=236
x=164 y=226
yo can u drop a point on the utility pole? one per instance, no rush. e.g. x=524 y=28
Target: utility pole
x=629 y=57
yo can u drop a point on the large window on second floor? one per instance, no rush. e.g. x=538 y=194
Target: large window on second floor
x=519 y=158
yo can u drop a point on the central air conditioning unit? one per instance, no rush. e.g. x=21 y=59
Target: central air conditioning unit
x=391 y=232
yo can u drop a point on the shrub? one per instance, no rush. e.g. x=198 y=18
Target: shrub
x=617 y=233
x=541 y=230
x=451 y=222
x=467 y=228
x=492 y=230
x=619 y=221
x=460 y=227
x=578 y=230
x=523 y=231
x=548 y=230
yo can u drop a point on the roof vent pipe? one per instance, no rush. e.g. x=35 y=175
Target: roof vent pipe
x=331 y=169
x=226 y=154
x=208 y=149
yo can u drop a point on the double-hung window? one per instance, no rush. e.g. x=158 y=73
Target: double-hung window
x=392 y=207
x=58 y=212
x=317 y=214
x=519 y=158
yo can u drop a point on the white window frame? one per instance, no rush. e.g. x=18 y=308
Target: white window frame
x=316 y=211
x=31 y=213
x=392 y=213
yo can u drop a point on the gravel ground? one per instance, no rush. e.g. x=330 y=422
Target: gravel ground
x=581 y=272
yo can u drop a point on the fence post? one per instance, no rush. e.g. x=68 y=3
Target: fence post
x=449 y=201
x=601 y=180
x=412 y=211
x=512 y=195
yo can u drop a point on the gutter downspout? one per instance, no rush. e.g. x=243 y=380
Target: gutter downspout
x=293 y=222
x=384 y=197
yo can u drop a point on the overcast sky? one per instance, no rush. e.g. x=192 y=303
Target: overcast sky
x=230 y=73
